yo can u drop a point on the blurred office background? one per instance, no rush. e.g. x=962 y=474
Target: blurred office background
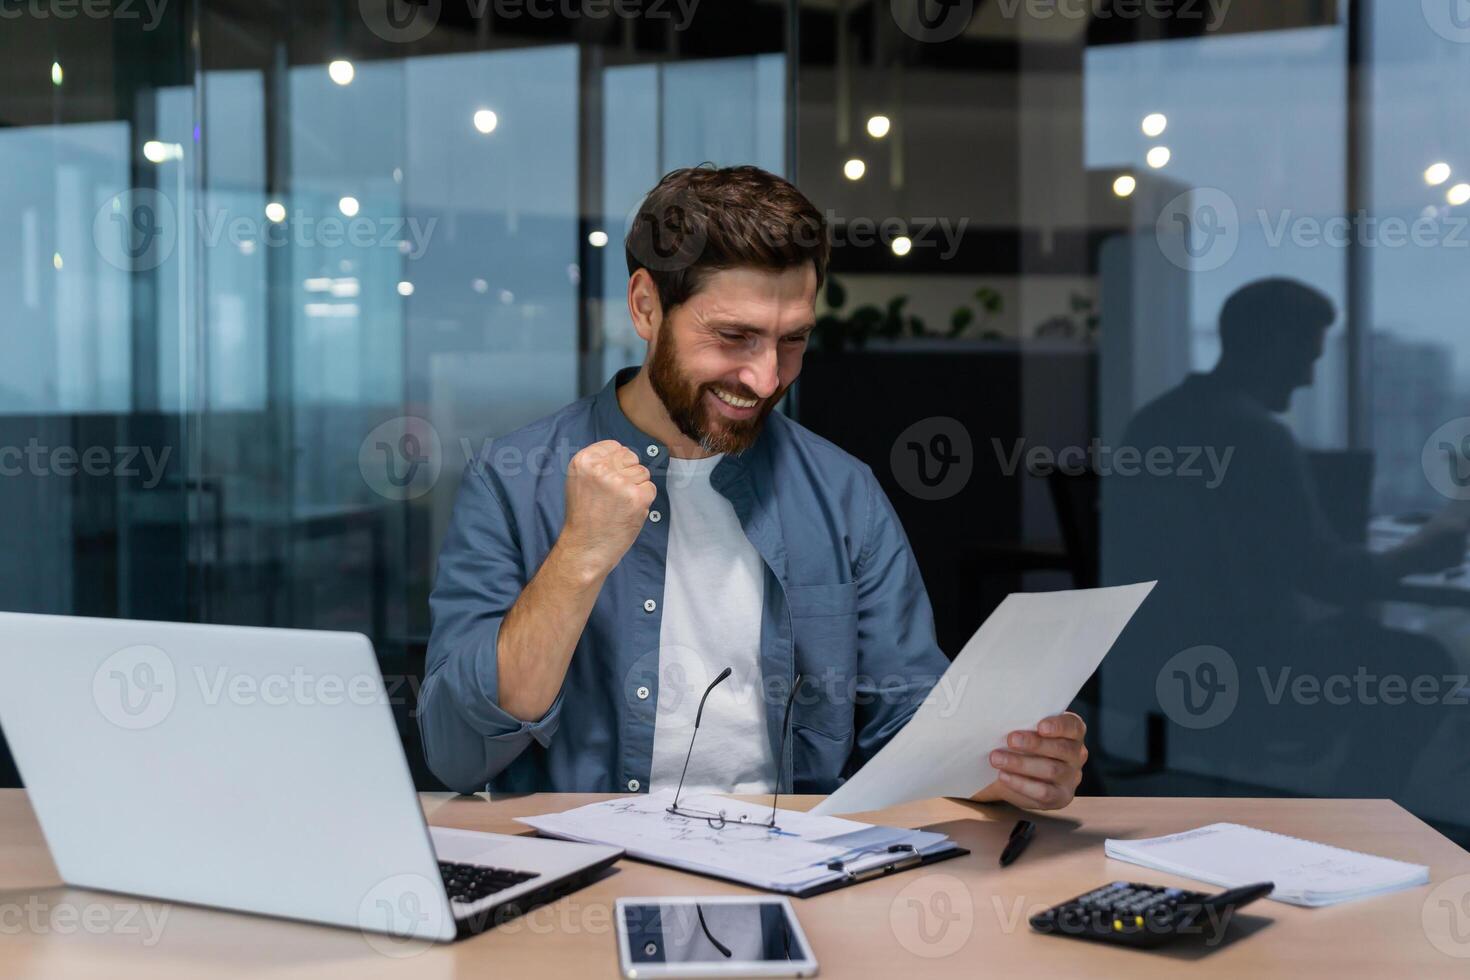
x=271 y=271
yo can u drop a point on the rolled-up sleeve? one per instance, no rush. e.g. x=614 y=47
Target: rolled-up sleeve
x=468 y=738
x=899 y=660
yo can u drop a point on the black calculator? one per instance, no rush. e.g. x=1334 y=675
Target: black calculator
x=1133 y=914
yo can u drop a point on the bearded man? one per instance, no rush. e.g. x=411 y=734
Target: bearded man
x=699 y=555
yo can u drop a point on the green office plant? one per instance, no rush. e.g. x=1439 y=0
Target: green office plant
x=838 y=330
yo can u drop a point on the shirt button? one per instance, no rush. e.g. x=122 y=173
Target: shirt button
x=642 y=694
x=655 y=516
x=633 y=785
x=649 y=605
x=651 y=451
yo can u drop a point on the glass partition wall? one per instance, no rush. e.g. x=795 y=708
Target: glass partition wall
x=272 y=272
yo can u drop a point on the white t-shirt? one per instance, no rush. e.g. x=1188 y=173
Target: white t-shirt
x=713 y=592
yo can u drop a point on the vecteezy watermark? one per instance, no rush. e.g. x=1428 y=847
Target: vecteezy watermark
x=37 y=916
x=860 y=231
x=1206 y=463
x=406 y=21
x=404 y=915
x=1199 y=687
x=668 y=682
x=936 y=21
x=1446 y=459
x=1210 y=923
x=1363 y=687
x=36 y=459
x=135 y=687
x=138 y=687
x=150 y=12
x=1201 y=230
x=669 y=237
x=1445 y=916
x=138 y=230
x=1450 y=19
x=933 y=916
x=402 y=458
x=933 y=458
x=407 y=234
x=672 y=679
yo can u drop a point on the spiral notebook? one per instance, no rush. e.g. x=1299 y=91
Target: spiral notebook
x=1305 y=872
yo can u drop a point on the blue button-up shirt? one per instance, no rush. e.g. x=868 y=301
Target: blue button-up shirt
x=844 y=606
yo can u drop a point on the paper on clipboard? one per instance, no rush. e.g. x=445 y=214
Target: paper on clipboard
x=1027 y=661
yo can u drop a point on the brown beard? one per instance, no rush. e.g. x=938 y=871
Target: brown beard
x=683 y=399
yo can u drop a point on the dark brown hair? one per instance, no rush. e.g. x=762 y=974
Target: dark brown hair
x=701 y=219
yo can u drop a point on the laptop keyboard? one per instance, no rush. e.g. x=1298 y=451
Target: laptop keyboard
x=468 y=883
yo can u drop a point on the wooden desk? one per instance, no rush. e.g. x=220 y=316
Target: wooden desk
x=869 y=930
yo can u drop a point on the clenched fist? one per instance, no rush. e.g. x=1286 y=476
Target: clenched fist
x=608 y=496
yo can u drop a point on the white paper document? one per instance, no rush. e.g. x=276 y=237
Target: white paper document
x=1304 y=872
x=1027 y=661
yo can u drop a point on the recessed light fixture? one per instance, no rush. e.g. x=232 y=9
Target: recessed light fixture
x=1436 y=174
x=878 y=126
x=1158 y=157
x=157 y=152
x=902 y=245
x=597 y=239
x=56 y=73
x=486 y=120
x=349 y=206
x=405 y=288
x=1459 y=194
x=276 y=212
x=341 y=72
x=1125 y=185
x=1155 y=123
x=854 y=169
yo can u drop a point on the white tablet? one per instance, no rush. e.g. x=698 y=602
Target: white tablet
x=728 y=936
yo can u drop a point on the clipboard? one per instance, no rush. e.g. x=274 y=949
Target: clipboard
x=880 y=869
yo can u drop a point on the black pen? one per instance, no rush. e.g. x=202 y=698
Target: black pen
x=1021 y=835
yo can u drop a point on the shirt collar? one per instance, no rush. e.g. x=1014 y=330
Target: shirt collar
x=613 y=424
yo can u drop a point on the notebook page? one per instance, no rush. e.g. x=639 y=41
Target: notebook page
x=1305 y=872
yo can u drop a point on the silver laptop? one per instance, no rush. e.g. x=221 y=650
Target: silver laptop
x=250 y=769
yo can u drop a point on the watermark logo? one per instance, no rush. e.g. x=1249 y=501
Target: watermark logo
x=933 y=458
x=1445 y=917
x=38 y=917
x=932 y=21
x=400 y=21
x=670 y=682
x=1199 y=687
x=135 y=687
x=150 y=12
x=1206 y=464
x=1199 y=230
x=1446 y=459
x=402 y=458
x=136 y=230
x=403 y=915
x=933 y=916
x=670 y=237
x=1450 y=19
x=1212 y=12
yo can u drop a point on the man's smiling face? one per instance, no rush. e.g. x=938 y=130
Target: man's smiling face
x=723 y=359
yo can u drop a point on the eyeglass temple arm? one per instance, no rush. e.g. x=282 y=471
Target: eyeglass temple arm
x=698 y=715
x=785 y=727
